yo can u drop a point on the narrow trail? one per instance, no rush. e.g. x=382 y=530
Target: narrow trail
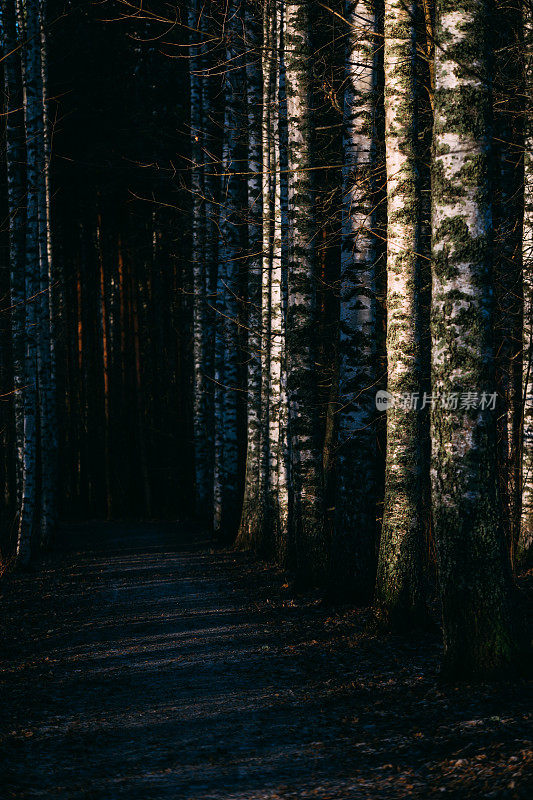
x=142 y=663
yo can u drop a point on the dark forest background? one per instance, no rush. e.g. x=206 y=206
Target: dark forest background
x=119 y=111
x=118 y=99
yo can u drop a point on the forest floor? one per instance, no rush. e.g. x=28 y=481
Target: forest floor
x=141 y=662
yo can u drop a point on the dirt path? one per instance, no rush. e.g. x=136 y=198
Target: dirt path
x=141 y=663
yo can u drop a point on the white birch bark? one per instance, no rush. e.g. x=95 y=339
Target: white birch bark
x=399 y=584
x=251 y=513
x=306 y=462
x=525 y=542
x=282 y=543
x=276 y=305
x=264 y=542
x=473 y=565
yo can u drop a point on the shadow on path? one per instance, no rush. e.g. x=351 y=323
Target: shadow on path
x=142 y=663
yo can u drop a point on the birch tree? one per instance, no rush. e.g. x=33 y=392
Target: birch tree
x=270 y=491
x=261 y=543
x=15 y=157
x=282 y=540
x=399 y=585
x=264 y=543
x=210 y=243
x=353 y=554
x=277 y=416
x=229 y=252
x=251 y=512
x=32 y=108
x=507 y=182
x=45 y=361
x=474 y=571
x=306 y=458
x=198 y=263
x=525 y=541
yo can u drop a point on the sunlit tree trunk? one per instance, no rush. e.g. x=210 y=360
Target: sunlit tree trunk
x=277 y=327
x=353 y=556
x=273 y=473
x=473 y=564
x=263 y=541
x=306 y=458
x=524 y=549
x=399 y=584
x=282 y=541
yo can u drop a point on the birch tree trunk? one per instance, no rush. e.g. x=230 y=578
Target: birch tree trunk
x=263 y=541
x=210 y=247
x=46 y=371
x=47 y=144
x=273 y=472
x=307 y=516
x=32 y=284
x=105 y=325
x=277 y=326
x=399 y=584
x=524 y=549
x=353 y=549
x=135 y=288
x=230 y=246
x=15 y=157
x=282 y=542
x=473 y=564
x=508 y=325
x=218 y=409
x=251 y=512
x=198 y=264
